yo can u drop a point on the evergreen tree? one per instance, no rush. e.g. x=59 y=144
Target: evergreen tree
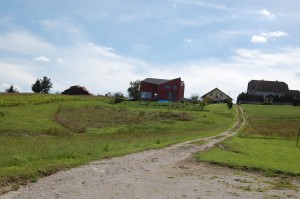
x=42 y=85
x=46 y=84
x=11 y=89
x=37 y=86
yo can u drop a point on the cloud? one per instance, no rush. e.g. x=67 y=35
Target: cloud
x=42 y=59
x=62 y=28
x=275 y=34
x=18 y=75
x=266 y=13
x=188 y=40
x=59 y=60
x=264 y=37
x=234 y=74
x=258 y=39
x=18 y=41
x=201 y=4
x=102 y=69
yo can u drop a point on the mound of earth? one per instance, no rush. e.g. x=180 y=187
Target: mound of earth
x=76 y=90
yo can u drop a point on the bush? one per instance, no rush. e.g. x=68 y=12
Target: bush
x=11 y=89
x=229 y=103
x=296 y=102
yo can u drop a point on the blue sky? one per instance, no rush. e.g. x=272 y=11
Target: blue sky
x=105 y=44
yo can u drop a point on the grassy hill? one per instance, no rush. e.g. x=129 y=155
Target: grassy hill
x=42 y=134
x=267 y=142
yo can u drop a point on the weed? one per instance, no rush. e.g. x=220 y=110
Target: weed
x=106 y=148
x=200 y=142
x=245 y=188
x=282 y=184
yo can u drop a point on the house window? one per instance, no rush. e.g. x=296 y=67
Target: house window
x=146 y=95
x=171 y=96
x=167 y=87
x=210 y=94
x=174 y=87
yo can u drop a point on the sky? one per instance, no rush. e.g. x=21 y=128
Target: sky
x=104 y=44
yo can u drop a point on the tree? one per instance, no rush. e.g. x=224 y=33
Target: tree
x=134 y=90
x=229 y=103
x=11 y=89
x=195 y=99
x=119 y=95
x=37 y=86
x=42 y=85
x=109 y=94
x=46 y=85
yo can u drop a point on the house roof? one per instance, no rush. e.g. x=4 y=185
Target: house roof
x=219 y=91
x=156 y=81
x=268 y=86
x=295 y=93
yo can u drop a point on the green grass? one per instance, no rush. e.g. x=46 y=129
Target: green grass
x=272 y=121
x=41 y=139
x=267 y=142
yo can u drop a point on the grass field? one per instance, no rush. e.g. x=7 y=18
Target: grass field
x=42 y=134
x=267 y=142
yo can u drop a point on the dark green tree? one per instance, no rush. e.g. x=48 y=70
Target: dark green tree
x=195 y=99
x=42 y=85
x=229 y=103
x=37 y=86
x=119 y=95
x=11 y=89
x=46 y=84
x=134 y=91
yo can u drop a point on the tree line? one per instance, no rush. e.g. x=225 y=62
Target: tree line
x=44 y=85
x=40 y=86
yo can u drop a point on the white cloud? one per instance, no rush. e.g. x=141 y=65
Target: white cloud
x=42 y=59
x=24 y=43
x=264 y=37
x=202 y=4
x=18 y=75
x=234 y=74
x=59 y=60
x=188 y=40
x=258 y=39
x=275 y=34
x=101 y=69
x=267 y=14
x=63 y=27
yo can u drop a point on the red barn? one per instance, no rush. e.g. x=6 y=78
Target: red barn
x=162 y=89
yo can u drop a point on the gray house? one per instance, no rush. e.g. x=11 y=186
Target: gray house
x=268 y=88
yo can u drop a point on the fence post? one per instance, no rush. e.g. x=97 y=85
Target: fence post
x=298 y=137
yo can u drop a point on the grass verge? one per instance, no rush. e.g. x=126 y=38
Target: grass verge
x=259 y=146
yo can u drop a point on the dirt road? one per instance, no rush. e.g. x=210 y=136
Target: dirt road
x=165 y=173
